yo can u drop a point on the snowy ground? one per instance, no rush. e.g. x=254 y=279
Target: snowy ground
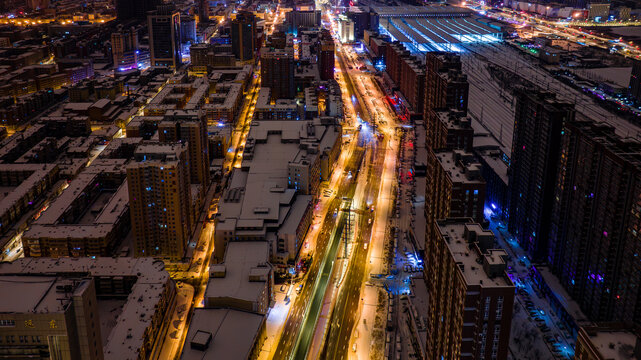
x=276 y=317
x=616 y=75
x=528 y=340
x=494 y=107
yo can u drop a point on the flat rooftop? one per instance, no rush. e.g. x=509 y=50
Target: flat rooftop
x=470 y=261
x=29 y=294
x=147 y=270
x=126 y=336
x=461 y=166
x=242 y=259
x=259 y=192
x=429 y=32
x=108 y=312
x=222 y=334
x=12 y=194
x=490 y=150
x=614 y=344
x=419 y=219
x=225 y=97
x=105 y=208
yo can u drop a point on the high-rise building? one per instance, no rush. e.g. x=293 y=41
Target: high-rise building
x=203 y=11
x=159 y=200
x=243 y=36
x=594 y=238
x=538 y=126
x=192 y=130
x=454 y=187
x=345 y=29
x=277 y=72
x=449 y=129
x=635 y=80
x=599 y=10
x=124 y=48
x=127 y=9
x=164 y=36
x=364 y=18
x=446 y=87
x=623 y=13
x=408 y=73
x=326 y=55
x=471 y=296
x=188 y=30
x=302 y=19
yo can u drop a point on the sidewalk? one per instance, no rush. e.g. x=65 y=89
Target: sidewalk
x=177 y=330
x=276 y=319
x=523 y=324
x=366 y=343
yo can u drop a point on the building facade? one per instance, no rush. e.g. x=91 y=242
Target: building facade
x=124 y=48
x=407 y=72
x=58 y=322
x=599 y=10
x=164 y=36
x=471 y=296
x=635 y=80
x=454 y=187
x=243 y=36
x=346 y=29
x=445 y=85
x=536 y=145
x=326 y=56
x=159 y=199
x=203 y=11
x=189 y=128
x=302 y=19
x=594 y=245
x=277 y=72
x=449 y=129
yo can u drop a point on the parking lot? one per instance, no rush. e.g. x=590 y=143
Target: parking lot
x=537 y=333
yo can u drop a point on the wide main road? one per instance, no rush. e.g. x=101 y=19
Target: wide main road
x=296 y=322
x=345 y=312
x=302 y=317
